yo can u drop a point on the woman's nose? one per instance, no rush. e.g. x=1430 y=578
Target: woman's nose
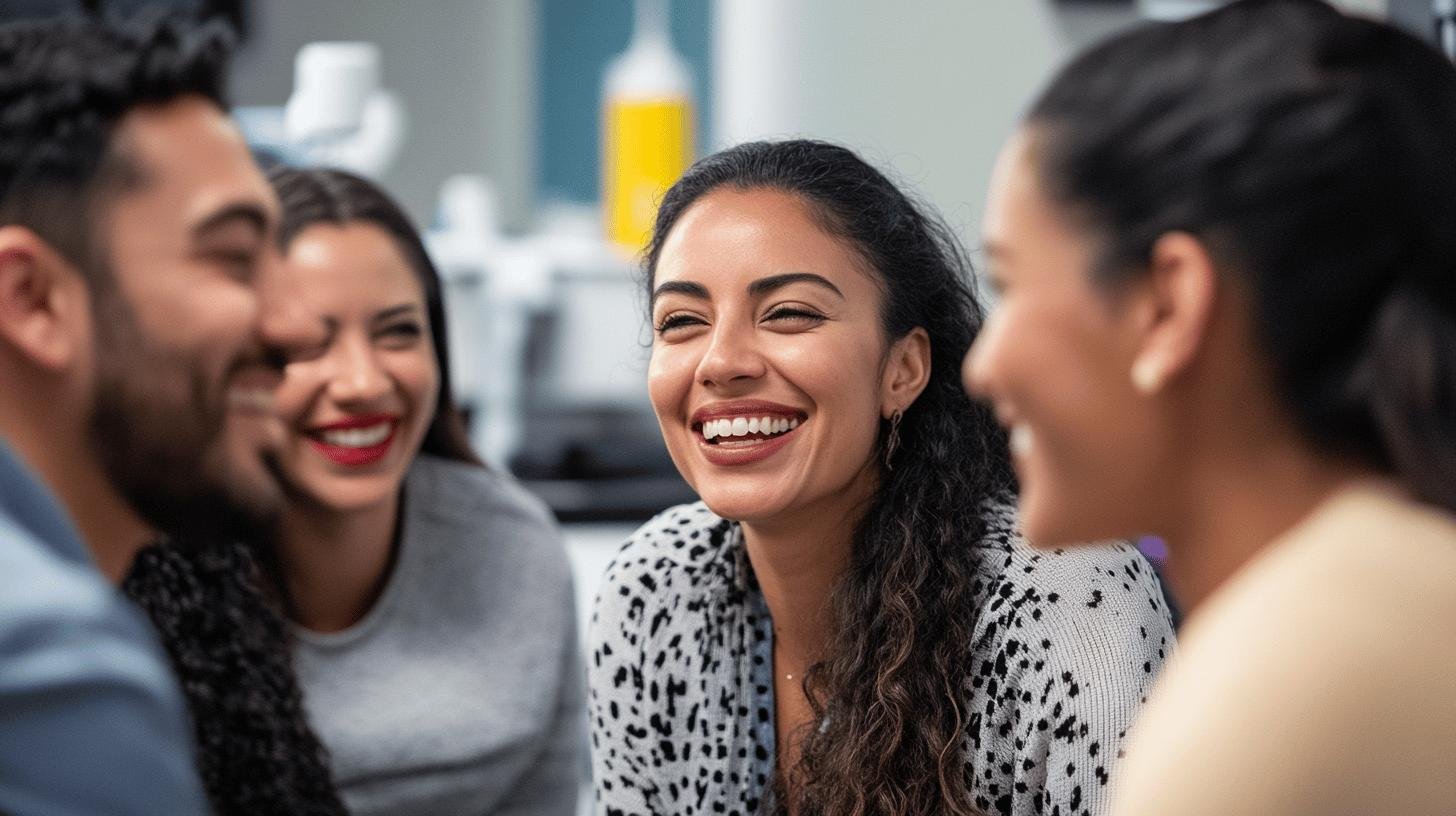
x=357 y=375
x=732 y=354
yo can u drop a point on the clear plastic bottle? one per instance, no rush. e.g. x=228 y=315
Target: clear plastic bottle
x=647 y=129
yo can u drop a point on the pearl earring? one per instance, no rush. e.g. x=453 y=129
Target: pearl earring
x=1147 y=376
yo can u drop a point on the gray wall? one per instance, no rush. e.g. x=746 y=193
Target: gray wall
x=465 y=70
x=929 y=89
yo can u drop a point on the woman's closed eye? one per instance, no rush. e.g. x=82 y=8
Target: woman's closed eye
x=404 y=333
x=678 y=320
x=794 y=316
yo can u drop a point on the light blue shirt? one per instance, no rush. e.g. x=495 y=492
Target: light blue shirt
x=91 y=720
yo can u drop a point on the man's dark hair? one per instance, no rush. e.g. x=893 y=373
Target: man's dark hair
x=64 y=86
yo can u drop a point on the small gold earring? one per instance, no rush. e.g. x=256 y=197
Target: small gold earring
x=1147 y=376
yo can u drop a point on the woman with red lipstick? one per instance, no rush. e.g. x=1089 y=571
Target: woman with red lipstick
x=1233 y=239
x=849 y=622
x=431 y=596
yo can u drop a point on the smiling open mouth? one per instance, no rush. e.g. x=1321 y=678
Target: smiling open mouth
x=745 y=430
x=355 y=443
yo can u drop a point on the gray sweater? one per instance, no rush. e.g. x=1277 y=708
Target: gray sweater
x=1067 y=645
x=460 y=692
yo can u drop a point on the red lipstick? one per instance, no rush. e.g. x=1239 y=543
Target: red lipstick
x=354 y=455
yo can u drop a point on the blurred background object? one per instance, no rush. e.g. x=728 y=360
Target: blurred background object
x=647 y=129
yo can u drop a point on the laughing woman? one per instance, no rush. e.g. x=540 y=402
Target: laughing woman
x=1235 y=236
x=849 y=623
x=432 y=597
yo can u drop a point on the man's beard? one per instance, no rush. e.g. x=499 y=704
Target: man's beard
x=158 y=428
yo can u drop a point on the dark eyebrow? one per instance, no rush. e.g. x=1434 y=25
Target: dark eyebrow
x=242 y=211
x=763 y=286
x=692 y=290
x=396 y=311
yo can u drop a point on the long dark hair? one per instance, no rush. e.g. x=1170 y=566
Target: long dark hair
x=232 y=652
x=1315 y=154
x=324 y=196
x=890 y=690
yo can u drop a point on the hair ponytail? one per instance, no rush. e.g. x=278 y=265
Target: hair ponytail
x=1406 y=379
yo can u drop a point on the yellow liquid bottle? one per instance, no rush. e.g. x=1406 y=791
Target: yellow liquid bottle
x=647 y=129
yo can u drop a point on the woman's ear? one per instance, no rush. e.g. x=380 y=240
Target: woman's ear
x=44 y=305
x=1179 y=299
x=907 y=370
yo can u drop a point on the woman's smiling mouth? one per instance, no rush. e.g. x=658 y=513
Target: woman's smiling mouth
x=738 y=430
x=357 y=441
x=743 y=431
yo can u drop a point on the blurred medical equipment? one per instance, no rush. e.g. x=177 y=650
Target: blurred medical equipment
x=549 y=348
x=1443 y=13
x=647 y=134
x=337 y=116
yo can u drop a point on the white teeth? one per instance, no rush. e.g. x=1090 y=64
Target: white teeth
x=743 y=426
x=358 y=437
x=1020 y=439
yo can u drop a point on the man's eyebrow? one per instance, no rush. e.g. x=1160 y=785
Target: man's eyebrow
x=242 y=211
x=688 y=288
x=765 y=285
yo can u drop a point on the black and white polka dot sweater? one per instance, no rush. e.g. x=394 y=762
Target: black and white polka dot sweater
x=1067 y=645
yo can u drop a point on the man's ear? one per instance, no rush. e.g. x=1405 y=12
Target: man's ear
x=906 y=372
x=1181 y=293
x=44 y=304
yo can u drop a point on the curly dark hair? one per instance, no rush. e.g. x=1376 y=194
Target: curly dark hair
x=230 y=648
x=890 y=692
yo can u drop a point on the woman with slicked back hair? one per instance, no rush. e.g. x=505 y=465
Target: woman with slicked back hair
x=1232 y=240
x=431 y=596
x=849 y=622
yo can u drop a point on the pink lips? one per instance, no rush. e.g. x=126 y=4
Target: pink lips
x=747 y=451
